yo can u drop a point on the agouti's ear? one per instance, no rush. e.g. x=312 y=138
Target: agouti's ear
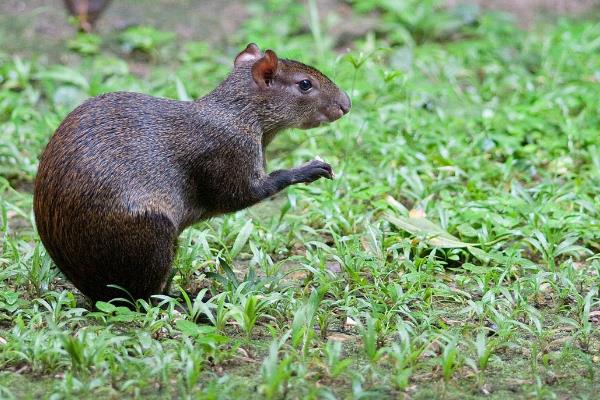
x=264 y=70
x=250 y=53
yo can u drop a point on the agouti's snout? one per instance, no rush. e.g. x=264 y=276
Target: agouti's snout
x=345 y=103
x=341 y=107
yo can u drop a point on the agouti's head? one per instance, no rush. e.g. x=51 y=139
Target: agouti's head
x=293 y=94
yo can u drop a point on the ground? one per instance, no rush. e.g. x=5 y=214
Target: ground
x=455 y=255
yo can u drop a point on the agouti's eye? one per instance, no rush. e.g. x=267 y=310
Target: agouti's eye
x=305 y=85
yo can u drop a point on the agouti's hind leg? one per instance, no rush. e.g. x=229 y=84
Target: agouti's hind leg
x=134 y=252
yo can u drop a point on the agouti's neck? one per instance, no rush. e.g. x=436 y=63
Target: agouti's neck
x=238 y=106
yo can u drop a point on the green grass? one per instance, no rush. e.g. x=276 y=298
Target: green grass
x=456 y=254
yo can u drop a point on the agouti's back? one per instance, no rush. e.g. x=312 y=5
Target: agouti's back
x=125 y=173
x=118 y=148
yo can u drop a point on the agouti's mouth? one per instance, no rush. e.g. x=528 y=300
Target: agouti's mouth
x=333 y=113
x=313 y=124
x=325 y=116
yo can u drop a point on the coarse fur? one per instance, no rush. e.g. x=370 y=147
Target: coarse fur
x=125 y=173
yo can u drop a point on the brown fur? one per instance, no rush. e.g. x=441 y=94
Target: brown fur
x=125 y=173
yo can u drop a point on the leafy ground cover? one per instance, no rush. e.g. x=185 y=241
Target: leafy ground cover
x=456 y=254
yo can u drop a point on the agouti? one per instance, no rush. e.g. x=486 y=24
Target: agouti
x=125 y=173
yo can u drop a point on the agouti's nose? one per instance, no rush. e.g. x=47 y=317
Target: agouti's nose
x=344 y=103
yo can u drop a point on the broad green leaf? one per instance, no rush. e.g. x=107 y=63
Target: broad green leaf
x=182 y=93
x=396 y=204
x=60 y=73
x=434 y=235
x=187 y=327
x=476 y=269
x=202 y=333
x=106 y=307
x=242 y=238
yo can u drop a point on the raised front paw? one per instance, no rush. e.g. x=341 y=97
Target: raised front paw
x=313 y=170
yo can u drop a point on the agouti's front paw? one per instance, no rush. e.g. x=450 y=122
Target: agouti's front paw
x=313 y=170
